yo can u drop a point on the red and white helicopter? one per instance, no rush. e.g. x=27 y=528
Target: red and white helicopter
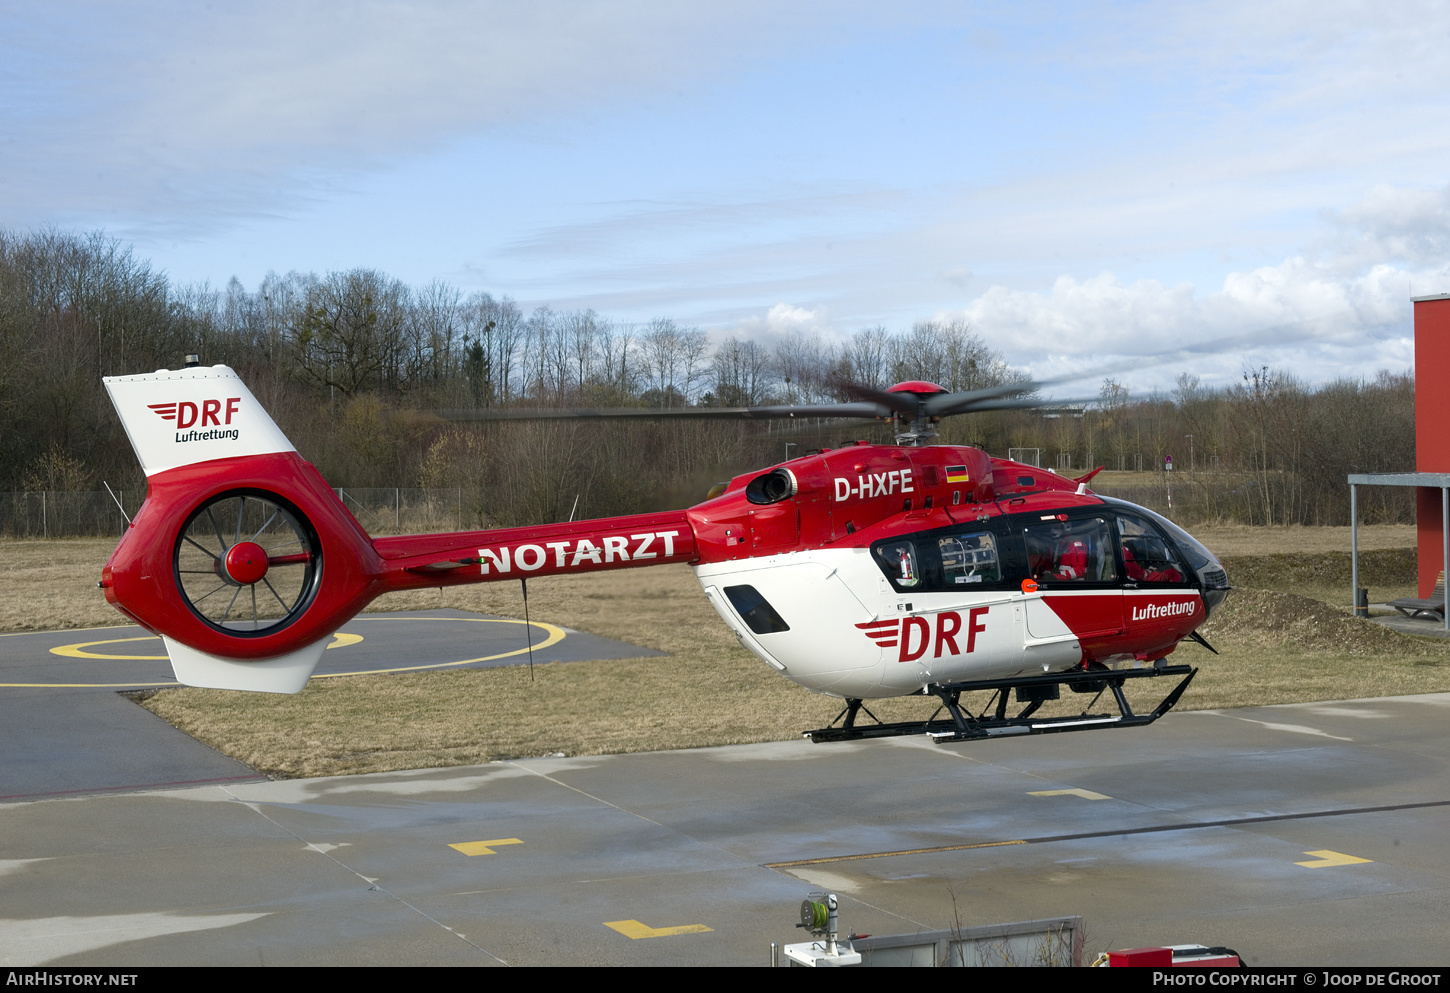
x=860 y=572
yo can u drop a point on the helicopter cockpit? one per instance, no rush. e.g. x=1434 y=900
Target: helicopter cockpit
x=1118 y=546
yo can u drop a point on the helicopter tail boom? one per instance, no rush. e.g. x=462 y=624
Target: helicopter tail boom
x=414 y=561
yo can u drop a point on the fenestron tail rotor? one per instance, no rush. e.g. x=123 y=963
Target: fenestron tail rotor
x=246 y=564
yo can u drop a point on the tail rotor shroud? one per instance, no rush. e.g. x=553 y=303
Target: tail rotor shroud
x=247 y=562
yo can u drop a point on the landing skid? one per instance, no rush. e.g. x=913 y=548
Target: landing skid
x=992 y=722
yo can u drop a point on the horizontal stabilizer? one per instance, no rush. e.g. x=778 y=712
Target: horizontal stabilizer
x=442 y=566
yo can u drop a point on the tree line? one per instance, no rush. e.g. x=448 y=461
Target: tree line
x=355 y=367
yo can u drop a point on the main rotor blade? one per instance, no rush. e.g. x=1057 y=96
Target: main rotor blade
x=861 y=410
x=902 y=403
x=1023 y=403
x=944 y=404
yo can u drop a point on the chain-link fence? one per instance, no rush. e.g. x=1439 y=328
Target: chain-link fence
x=1188 y=498
x=413 y=510
x=380 y=510
x=66 y=514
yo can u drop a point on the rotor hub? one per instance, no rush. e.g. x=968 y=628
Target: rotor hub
x=245 y=563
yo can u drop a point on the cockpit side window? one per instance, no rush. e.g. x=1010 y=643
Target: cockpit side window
x=1072 y=551
x=1147 y=558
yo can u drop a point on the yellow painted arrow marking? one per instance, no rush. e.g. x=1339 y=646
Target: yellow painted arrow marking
x=484 y=847
x=1328 y=858
x=1085 y=794
x=634 y=929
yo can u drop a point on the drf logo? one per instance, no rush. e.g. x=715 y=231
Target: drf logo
x=186 y=413
x=914 y=635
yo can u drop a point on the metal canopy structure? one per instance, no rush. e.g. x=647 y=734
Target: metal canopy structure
x=1419 y=480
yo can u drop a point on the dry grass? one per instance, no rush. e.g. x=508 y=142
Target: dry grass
x=1278 y=645
x=1234 y=540
x=51 y=585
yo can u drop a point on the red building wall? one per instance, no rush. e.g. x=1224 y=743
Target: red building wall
x=1432 y=426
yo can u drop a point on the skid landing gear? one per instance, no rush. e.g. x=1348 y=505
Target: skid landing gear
x=962 y=725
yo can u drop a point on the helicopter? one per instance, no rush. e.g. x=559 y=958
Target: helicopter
x=860 y=572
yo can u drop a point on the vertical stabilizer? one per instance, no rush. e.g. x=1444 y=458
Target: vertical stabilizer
x=178 y=417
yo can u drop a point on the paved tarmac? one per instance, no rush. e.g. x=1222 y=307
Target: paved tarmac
x=1422 y=625
x=1310 y=834
x=65 y=728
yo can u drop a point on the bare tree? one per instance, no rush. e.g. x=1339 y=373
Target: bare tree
x=348 y=339
x=740 y=371
x=865 y=359
x=582 y=328
x=694 y=346
x=435 y=332
x=662 y=346
x=803 y=361
x=617 y=344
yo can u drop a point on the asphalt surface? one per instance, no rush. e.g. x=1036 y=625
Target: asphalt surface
x=1310 y=834
x=66 y=730
x=1391 y=618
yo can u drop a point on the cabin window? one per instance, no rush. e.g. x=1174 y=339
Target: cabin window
x=755 y=610
x=899 y=561
x=1073 y=551
x=970 y=558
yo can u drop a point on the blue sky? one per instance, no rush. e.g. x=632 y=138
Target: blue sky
x=1089 y=184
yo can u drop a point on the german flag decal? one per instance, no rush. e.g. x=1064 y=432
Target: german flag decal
x=957 y=474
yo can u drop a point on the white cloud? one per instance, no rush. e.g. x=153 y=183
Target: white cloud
x=1334 y=314
x=784 y=318
x=1394 y=224
x=778 y=323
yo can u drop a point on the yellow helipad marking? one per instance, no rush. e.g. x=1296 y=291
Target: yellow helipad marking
x=78 y=651
x=634 y=929
x=1085 y=794
x=341 y=640
x=484 y=847
x=88 y=686
x=1328 y=858
x=556 y=635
